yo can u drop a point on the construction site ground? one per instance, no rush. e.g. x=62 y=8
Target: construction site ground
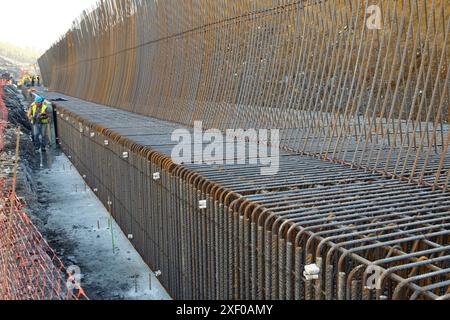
x=74 y=222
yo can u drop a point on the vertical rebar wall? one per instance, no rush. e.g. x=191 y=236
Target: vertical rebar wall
x=337 y=89
x=357 y=104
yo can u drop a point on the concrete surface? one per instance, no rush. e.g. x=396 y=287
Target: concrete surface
x=78 y=228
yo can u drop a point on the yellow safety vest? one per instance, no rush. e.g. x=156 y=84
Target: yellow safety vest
x=33 y=113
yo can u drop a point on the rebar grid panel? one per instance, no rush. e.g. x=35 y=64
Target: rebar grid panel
x=338 y=88
x=257 y=234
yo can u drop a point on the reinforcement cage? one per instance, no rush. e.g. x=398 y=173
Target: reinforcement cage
x=255 y=236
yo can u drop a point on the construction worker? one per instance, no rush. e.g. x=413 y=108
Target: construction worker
x=39 y=118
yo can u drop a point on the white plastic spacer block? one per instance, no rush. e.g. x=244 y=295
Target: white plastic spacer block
x=312 y=269
x=156 y=176
x=202 y=204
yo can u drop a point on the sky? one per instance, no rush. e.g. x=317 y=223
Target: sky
x=38 y=23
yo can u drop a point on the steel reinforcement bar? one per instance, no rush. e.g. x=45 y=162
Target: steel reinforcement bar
x=317 y=230
x=359 y=82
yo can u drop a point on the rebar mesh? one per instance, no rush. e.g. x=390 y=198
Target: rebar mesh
x=257 y=234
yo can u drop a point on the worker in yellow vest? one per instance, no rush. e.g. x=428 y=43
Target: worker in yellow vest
x=39 y=118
